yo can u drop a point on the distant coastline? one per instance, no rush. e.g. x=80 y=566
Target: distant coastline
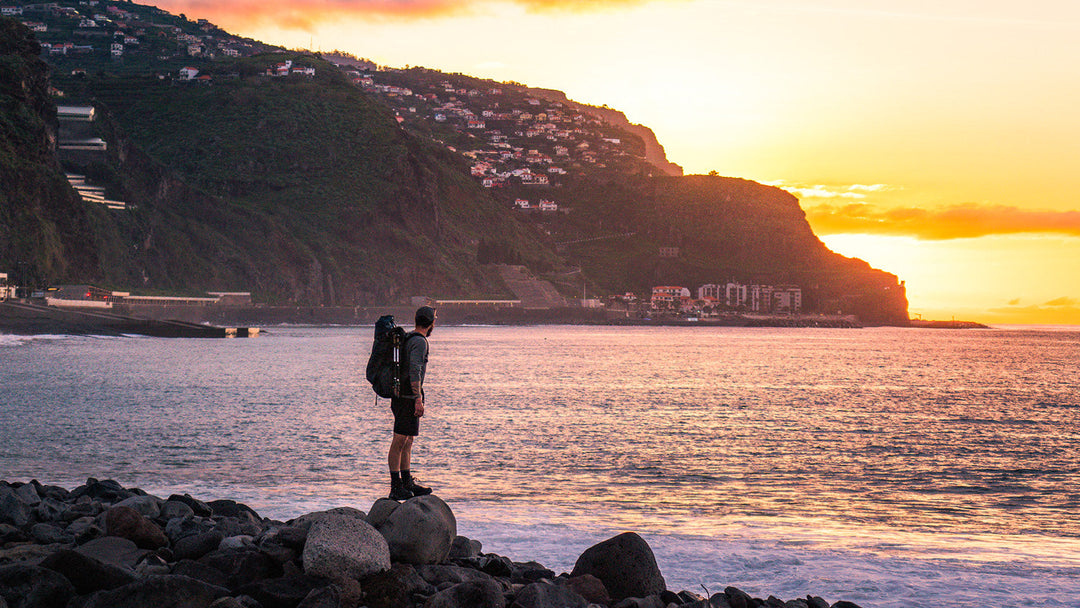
x=26 y=318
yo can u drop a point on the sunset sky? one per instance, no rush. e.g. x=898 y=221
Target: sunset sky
x=937 y=140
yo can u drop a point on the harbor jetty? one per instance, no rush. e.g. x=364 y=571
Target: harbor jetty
x=102 y=545
x=26 y=317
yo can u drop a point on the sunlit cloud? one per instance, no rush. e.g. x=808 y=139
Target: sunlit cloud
x=820 y=191
x=953 y=222
x=308 y=14
x=1063 y=310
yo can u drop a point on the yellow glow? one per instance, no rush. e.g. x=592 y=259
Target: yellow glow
x=965 y=103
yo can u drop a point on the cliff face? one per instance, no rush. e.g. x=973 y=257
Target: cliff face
x=301 y=191
x=45 y=231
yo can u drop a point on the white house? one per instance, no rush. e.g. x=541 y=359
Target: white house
x=188 y=73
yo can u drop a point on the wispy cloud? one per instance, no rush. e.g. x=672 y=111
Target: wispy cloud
x=821 y=191
x=953 y=222
x=306 y=14
x=1063 y=310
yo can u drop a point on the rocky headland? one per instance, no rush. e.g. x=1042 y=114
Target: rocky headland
x=102 y=545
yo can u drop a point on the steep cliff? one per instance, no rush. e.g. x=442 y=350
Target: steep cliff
x=45 y=230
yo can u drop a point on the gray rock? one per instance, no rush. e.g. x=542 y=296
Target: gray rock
x=440 y=575
x=845 y=604
x=147 y=506
x=86 y=573
x=304 y=522
x=48 y=534
x=13 y=511
x=625 y=564
x=84 y=530
x=11 y=534
x=196 y=545
x=231 y=508
x=344 y=547
x=546 y=594
x=24 y=586
x=49 y=510
x=816 y=602
x=227 y=602
x=108 y=491
x=171 y=509
x=199 y=507
x=465 y=548
x=652 y=601
x=128 y=523
x=27 y=554
x=244 y=566
x=477 y=594
x=160 y=591
x=237 y=542
x=797 y=603
x=285 y=592
x=113 y=550
x=292 y=537
x=80 y=510
x=182 y=527
x=420 y=530
x=27 y=493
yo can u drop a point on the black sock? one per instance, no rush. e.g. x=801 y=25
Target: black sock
x=406 y=475
x=395 y=477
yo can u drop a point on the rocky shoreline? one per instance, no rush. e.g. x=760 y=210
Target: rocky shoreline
x=101 y=545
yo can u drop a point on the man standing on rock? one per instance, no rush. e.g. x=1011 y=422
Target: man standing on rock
x=409 y=408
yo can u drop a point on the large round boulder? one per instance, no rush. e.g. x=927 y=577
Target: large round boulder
x=25 y=586
x=342 y=546
x=128 y=523
x=625 y=564
x=420 y=530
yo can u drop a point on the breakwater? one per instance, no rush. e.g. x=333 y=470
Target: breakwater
x=101 y=544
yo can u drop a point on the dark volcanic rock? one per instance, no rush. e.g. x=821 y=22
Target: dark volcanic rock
x=244 y=566
x=394 y=587
x=158 y=591
x=548 y=595
x=231 y=508
x=325 y=597
x=590 y=588
x=128 y=523
x=12 y=510
x=199 y=507
x=200 y=571
x=34 y=587
x=477 y=594
x=197 y=545
x=465 y=547
x=625 y=564
x=113 y=550
x=106 y=491
x=286 y=592
x=86 y=573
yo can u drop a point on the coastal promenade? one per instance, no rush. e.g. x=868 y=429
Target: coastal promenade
x=102 y=545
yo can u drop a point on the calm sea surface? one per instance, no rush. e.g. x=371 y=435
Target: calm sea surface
x=890 y=467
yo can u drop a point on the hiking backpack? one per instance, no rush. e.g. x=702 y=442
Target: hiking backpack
x=384 y=363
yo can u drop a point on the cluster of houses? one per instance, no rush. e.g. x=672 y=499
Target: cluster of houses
x=731 y=296
x=119 y=30
x=519 y=140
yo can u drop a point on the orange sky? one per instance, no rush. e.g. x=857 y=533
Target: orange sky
x=937 y=140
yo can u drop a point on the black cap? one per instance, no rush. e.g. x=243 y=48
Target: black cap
x=425 y=316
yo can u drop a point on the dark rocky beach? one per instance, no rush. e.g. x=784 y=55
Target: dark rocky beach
x=101 y=545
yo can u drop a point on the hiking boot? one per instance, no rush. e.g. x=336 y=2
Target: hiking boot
x=410 y=485
x=400 y=492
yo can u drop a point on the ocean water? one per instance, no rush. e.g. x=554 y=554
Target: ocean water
x=888 y=467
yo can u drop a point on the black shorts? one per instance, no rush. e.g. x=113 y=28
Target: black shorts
x=405 y=421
